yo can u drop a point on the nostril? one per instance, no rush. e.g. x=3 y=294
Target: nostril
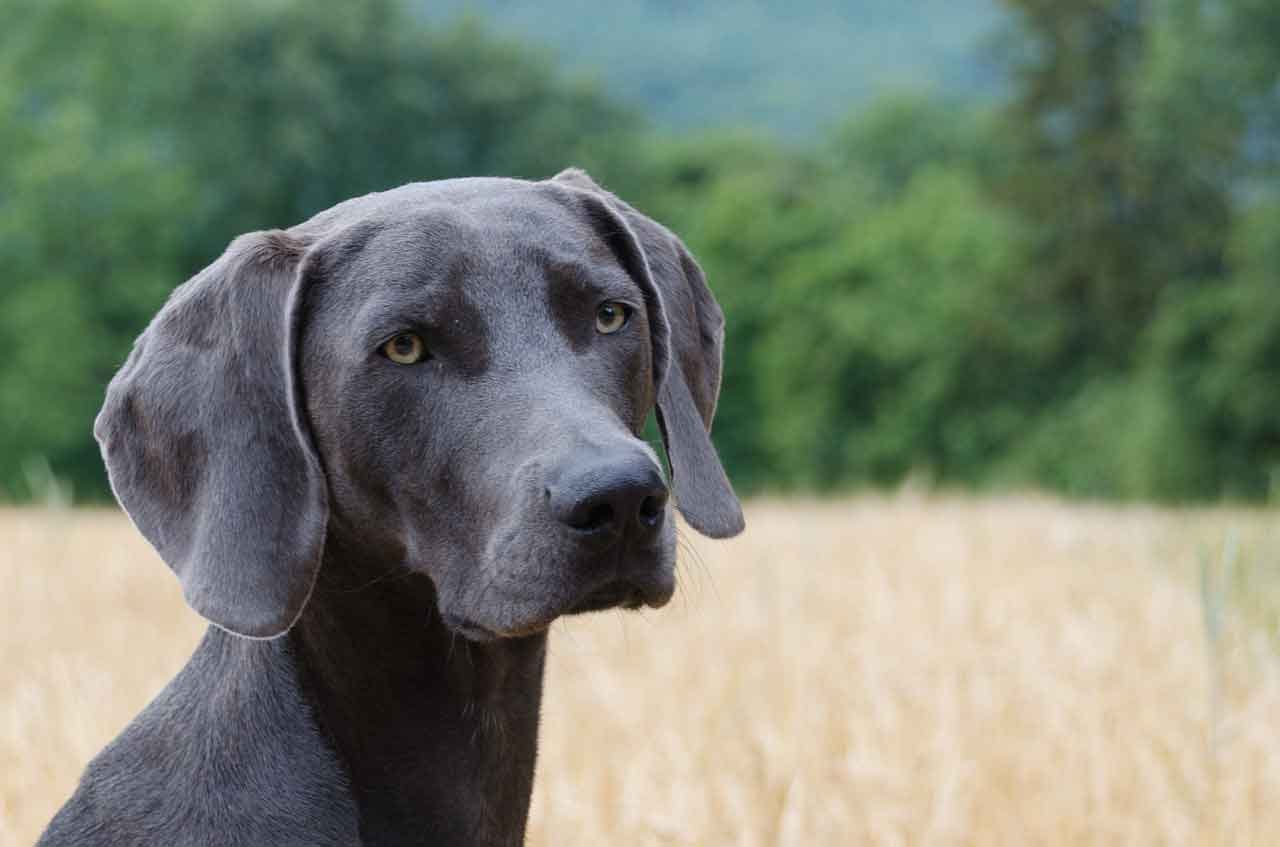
x=597 y=517
x=608 y=496
x=651 y=510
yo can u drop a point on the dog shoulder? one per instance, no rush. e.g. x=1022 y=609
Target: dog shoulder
x=227 y=754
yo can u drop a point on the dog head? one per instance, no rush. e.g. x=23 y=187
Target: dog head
x=451 y=376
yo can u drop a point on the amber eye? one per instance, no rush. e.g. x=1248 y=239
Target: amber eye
x=611 y=316
x=406 y=348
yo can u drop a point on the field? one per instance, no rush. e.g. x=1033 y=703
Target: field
x=901 y=670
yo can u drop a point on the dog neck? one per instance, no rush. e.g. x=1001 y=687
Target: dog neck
x=438 y=734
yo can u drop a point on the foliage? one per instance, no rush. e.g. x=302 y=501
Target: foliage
x=141 y=137
x=1072 y=286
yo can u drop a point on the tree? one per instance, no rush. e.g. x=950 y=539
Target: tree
x=1122 y=146
x=142 y=136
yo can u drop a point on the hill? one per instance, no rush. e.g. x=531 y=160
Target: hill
x=786 y=67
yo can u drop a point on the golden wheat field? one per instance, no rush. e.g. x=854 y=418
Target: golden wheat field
x=891 y=670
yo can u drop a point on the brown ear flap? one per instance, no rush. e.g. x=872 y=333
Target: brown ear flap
x=691 y=324
x=207 y=447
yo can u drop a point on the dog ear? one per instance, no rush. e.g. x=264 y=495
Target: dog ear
x=207 y=446
x=688 y=332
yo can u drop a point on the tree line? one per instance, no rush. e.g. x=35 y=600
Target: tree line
x=1072 y=285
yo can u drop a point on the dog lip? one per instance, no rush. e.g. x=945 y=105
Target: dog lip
x=628 y=592
x=651 y=590
x=473 y=630
x=616 y=593
x=470 y=629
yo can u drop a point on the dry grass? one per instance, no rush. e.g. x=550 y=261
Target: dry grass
x=889 y=671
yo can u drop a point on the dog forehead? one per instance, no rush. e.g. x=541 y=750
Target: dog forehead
x=517 y=268
x=493 y=209
x=491 y=245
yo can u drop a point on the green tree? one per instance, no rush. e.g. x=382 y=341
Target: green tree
x=1127 y=128
x=1122 y=144
x=901 y=350
x=142 y=136
x=1216 y=354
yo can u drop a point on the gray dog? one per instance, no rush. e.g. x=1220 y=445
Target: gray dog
x=383 y=451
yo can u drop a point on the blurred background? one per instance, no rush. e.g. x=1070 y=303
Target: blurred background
x=1026 y=243
x=1002 y=386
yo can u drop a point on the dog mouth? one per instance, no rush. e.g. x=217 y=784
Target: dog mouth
x=473 y=630
x=625 y=594
x=470 y=630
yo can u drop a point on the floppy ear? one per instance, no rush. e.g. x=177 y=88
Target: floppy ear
x=688 y=323
x=206 y=445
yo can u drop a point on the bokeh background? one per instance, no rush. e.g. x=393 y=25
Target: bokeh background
x=1026 y=243
x=1002 y=386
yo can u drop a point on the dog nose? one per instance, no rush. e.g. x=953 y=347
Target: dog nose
x=601 y=495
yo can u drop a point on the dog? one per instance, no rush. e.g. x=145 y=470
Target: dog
x=382 y=451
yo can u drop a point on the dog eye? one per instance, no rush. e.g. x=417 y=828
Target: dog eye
x=407 y=348
x=611 y=316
